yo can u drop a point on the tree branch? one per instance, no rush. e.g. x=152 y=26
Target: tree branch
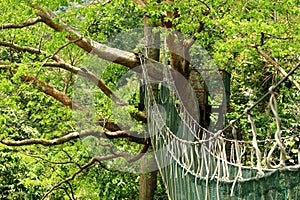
x=62 y=64
x=51 y=91
x=86 y=166
x=188 y=43
x=131 y=136
x=140 y=155
x=111 y=126
x=277 y=66
x=139 y=116
x=90 y=76
x=57 y=141
x=102 y=51
x=48 y=89
x=52 y=162
x=111 y=54
x=207 y=11
x=97 y=2
x=61 y=97
x=60 y=48
x=23 y=24
x=28 y=49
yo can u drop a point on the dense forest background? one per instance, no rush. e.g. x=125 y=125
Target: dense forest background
x=53 y=53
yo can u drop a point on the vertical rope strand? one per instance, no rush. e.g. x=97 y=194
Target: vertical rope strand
x=255 y=146
x=273 y=104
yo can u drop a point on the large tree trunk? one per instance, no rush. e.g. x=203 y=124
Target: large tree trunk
x=148 y=181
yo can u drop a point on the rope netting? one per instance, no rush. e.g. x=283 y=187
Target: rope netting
x=196 y=163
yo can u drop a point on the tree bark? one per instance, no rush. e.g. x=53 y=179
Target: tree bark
x=118 y=56
x=148 y=181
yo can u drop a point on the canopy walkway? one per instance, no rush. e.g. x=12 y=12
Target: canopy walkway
x=197 y=163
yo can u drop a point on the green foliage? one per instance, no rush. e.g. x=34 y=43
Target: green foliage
x=115 y=18
x=11 y=174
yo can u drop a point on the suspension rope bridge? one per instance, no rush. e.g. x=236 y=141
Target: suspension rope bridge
x=196 y=163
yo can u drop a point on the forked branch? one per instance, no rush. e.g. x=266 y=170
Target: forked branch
x=277 y=66
x=86 y=166
x=102 y=51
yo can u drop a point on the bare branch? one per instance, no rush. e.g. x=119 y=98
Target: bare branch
x=72 y=190
x=83 y=72
x=108 y=125
x=52 y=162
x=207 y=11
x=268 y=35
x=33 y=141
x=86 y=166
x=131 y=136
x=67 y=193
x=61 y=47
x=62 y=64
x=38 y=51
x=102 y=51
x=106 y=2
x=47 y=89
x=28 y=49
x=126 y=156
x=22 y=25
x=51 y=91
x=21 y=48
x=139 y=116
x=140 y=155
